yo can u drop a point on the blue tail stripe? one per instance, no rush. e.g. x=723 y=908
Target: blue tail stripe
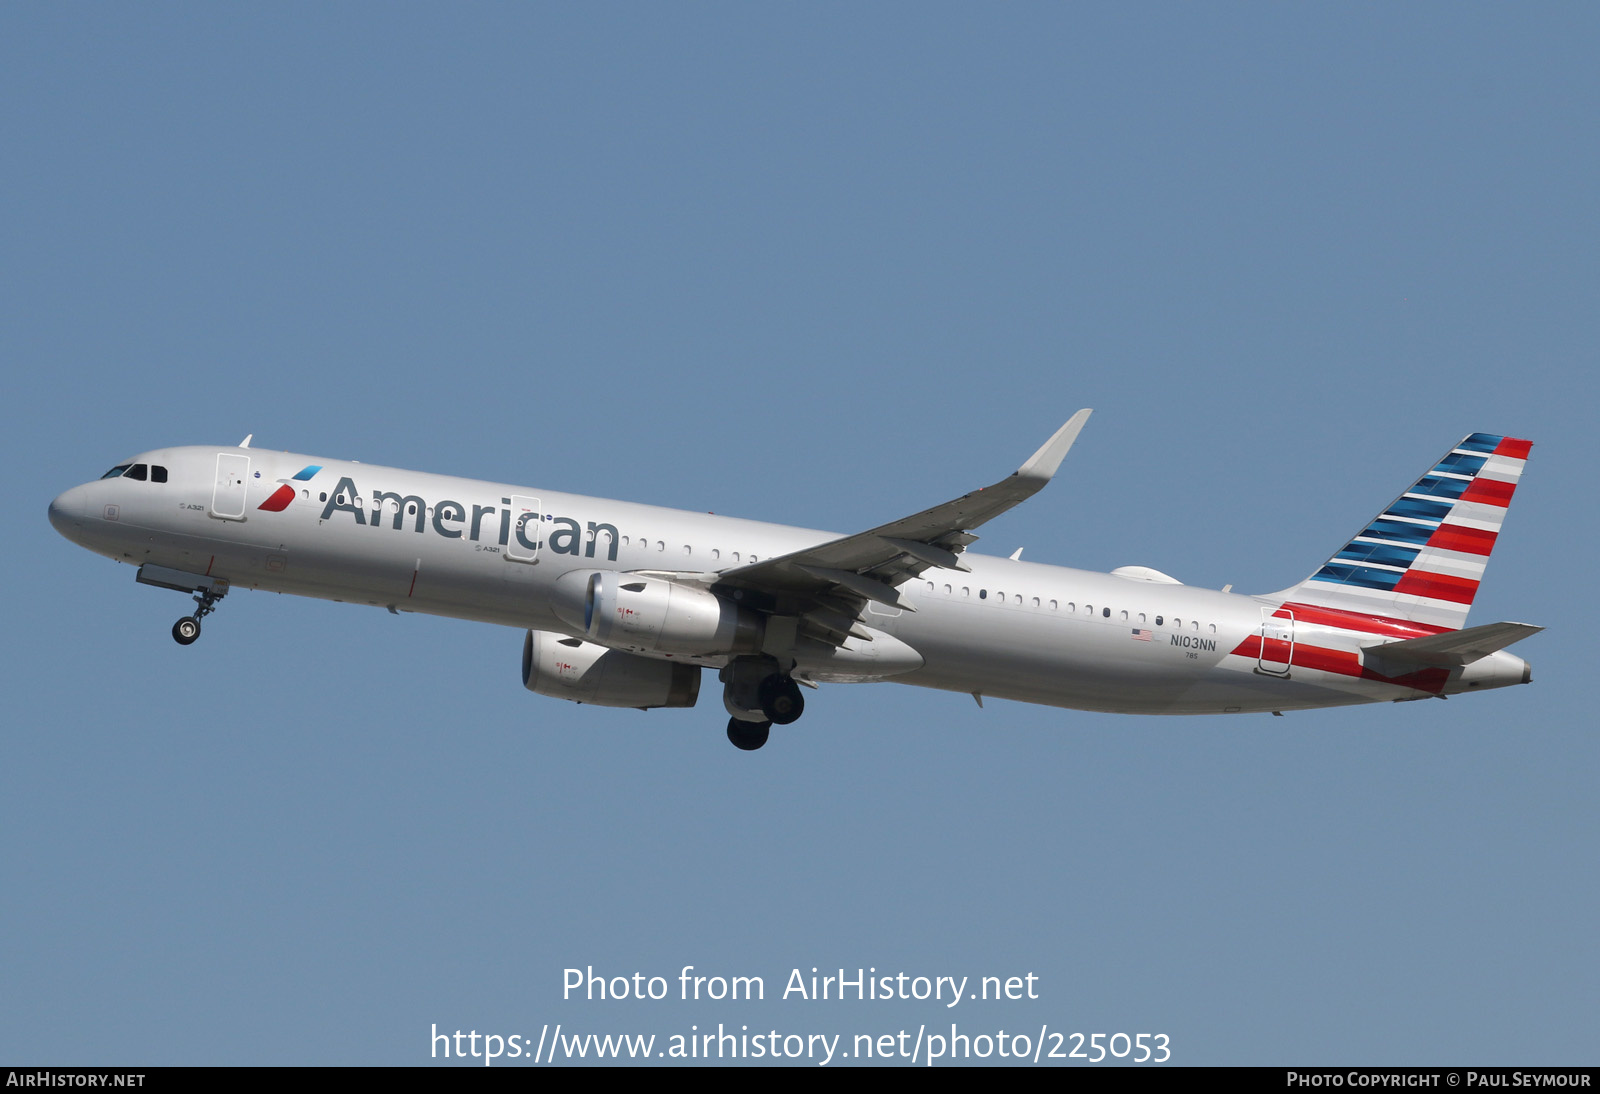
x=1481 y=442
x=1346 y=574
x=1440 y=488
x=1462 y=464
x=1399 y=530
x=1420 y=509
x=1382 y=553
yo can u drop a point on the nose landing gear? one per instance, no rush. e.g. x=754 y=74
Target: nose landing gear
x=207 y=592
x=187 y=629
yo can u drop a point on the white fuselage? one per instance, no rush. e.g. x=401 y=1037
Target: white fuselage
x=412 y=541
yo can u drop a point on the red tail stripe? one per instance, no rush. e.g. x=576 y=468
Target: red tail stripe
x=1510 y=446
x=1358 y=621
x=1489 y=491
x=1458 y=590
x=1343 y=664
x=1471 y=541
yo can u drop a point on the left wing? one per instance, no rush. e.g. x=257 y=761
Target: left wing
x=826 y=586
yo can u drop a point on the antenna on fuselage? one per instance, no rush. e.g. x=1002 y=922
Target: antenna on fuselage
x=246 y=442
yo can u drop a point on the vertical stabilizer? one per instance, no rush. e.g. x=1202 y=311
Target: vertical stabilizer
x=1421 y=559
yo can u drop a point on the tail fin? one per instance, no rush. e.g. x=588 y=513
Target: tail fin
x=1421 y=559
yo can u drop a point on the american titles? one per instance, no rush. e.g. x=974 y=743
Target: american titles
x=458 y=520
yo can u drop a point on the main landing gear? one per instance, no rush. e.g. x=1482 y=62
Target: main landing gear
x=758 y=694
x=187 y=629
x=748 y=735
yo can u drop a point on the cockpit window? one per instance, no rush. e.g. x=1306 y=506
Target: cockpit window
x=115 y=471
x=137 y=471
x=158 y=473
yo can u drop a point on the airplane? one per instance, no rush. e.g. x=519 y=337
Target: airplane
x=625 y=604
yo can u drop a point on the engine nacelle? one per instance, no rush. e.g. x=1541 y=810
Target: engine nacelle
x=651 y=615
x=569 y=668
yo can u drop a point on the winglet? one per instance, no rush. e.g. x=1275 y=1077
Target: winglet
x=1042 y=465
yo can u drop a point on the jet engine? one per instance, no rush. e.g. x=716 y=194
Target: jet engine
x=652 y=615
x=570 y=668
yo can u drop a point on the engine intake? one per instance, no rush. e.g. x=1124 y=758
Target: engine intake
x=569 y=668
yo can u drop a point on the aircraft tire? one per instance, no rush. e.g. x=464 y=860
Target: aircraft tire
x=781 y=700
x=186 y=630
x=747 y=736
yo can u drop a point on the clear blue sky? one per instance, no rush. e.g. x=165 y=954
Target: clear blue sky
x=827 y=265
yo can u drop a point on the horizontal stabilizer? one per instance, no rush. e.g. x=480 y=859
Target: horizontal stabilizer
x=1455 y=648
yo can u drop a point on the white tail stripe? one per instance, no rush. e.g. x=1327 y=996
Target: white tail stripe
x=1503 y=467
x=1477 y=514
x=1468 y=522
x=1451 y=562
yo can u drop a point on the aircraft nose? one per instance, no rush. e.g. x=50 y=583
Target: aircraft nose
x=66 y=511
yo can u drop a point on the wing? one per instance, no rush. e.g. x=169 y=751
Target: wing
x=826 y=586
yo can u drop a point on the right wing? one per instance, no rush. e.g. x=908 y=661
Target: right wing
x=827 y=585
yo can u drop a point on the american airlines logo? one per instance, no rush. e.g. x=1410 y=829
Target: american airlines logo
x=451 y=520
x=283 y=495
